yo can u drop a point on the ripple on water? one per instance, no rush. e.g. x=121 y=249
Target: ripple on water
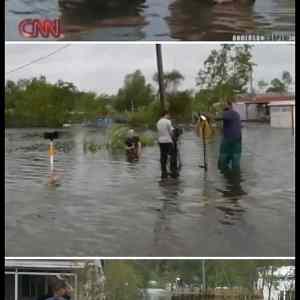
x=152 y=19
x=107 y=206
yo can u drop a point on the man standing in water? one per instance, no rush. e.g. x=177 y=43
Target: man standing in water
x=166 y=146
x=231 y=145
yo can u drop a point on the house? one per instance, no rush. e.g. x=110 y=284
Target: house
x=281 y=280
x=282 y=114
x=30 y=279
x=256 y=107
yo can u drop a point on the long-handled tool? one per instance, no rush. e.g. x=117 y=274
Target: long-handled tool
x=204 y=166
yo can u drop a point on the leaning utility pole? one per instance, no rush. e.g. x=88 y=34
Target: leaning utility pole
x=160 y=76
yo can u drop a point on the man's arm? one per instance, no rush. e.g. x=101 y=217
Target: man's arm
x=170 y=129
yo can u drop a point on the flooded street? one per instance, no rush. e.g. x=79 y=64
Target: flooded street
x=105 y=206
x=155 y=19
x=157 y=294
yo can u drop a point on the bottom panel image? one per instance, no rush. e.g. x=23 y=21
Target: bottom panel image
x=41 y=279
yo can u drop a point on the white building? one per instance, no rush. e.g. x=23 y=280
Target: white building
x=282 y=114
x=284 y=280
x=258 y=108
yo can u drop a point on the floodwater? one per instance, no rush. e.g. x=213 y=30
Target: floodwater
x=155 y=19
x=105 y=206
x=157 y=294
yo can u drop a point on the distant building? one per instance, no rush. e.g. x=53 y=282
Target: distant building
x=283 y=283
x=257 y=107
x=282 y=114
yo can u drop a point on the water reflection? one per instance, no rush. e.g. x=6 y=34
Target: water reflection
x=102 y=18
x=164 y=231
x=109 y=207
x=195 y=20
x=230 y=206
x=154 y=19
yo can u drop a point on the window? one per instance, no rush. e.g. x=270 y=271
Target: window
x=275 y=109
x=9 y=287
x=31 y=286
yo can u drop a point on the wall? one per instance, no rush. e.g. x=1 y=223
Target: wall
x=281 y=116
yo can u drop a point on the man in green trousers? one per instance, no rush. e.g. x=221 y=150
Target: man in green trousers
x=231 y=145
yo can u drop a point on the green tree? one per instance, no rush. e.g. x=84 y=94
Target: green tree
x=281 y=86
x=171 y=81
x=277 y=86
x=226 y=72
x=134 y=94
x=262 y=85
x=123 y=281
x=180 y=105
x=36 y=102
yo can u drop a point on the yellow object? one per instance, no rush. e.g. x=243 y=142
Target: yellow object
x=51 y=151
x=203 y=127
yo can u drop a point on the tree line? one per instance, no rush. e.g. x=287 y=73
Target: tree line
x=226 y=73
x=125 y=279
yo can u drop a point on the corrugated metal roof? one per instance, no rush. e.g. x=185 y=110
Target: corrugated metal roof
x=44 y=264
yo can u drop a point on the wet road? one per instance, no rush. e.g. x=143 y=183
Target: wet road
x=156 y=19
x=105 y=206
x=157 y=294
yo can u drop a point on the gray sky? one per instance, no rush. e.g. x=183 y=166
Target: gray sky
x=102 y=67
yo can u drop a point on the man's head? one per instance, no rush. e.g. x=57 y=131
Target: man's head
x=59 y=288
x=131 y=132
x=68 y=291
x=228 y=105
x=165 y=114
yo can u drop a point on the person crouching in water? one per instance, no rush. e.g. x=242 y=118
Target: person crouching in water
x=231 y=145
x=133 y=146
x=166 y=145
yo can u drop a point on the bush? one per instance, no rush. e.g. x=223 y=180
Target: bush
x=117 y=135
x=146 y=116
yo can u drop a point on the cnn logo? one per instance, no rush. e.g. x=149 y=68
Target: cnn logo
x=35 y=28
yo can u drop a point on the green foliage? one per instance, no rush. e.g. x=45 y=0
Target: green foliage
x=277 y=85
x=38 y=103
x=262 y=84
x=226 y=72
x=118 y=133
x=134 y=94
x=229 y=273
x=123 y=281
x=171 y=81
x=180 y=105
x=145 y=116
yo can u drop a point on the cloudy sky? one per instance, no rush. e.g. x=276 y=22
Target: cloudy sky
x=102 y=67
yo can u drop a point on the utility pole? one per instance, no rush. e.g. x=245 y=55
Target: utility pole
x=160 y=76
x=251 y=81
x=203 y=275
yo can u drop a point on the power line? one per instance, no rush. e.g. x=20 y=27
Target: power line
x=37 y=60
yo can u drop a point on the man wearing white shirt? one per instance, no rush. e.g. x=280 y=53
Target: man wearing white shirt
x=166 y=145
